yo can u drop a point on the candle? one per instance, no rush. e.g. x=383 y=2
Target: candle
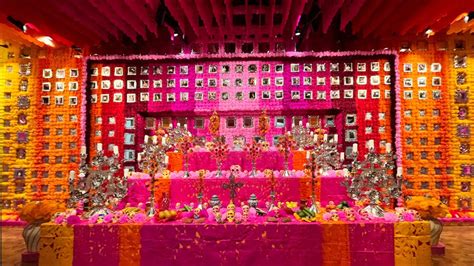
x=116 y=150
x=354 y=147
x=388 y=147
x=325 y=138
x=166 y=159
x=72 y=175
x=178 y=125
x=335 y=138
x=171 y=125
x=345 y=172
x=315 y=138
x=307 y=155
x=163 y=140
x=399 y=171
x=341 y=155
x=139 y=156
x=126 y=172
x=288 y=133
x=370 y=144
x=185 y=126
x=99 y=146
x=155 y=139
x=83 y=150
x=146 y=138
x=292 y=125
x=300 y=123
x=307 y=125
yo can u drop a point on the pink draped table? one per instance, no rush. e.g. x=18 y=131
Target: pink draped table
x=370 y=243
x=293 y=188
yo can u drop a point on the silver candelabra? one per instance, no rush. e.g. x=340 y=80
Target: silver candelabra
x=97 y=186
x=301 y=135
x=175 y=134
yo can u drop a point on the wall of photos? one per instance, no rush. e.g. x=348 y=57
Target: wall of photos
x=41 y=107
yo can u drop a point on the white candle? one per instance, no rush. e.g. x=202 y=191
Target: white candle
x=83 y=150
x=72 y=175
x=288 y=133
x=292 y=125
x=388 y=147
x=178 y=125
x=185 y=126
x=370 y=144
x=146 y=138
x=125 y=172
x=335 y=138
x=325 y=138
x=163 y=140
x=166 y=159
x=307 y=154
x=345 y=172
x=116 y=150
x=155 y=139
x=341 y=155
x=300 y=123
x=354 y=147
x=139 y=157
x=99 y=146
x=399 y=171
x=315 y=138
x=171 y=125
x=307 y=125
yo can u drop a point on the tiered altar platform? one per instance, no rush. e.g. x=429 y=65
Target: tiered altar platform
x=370 y=243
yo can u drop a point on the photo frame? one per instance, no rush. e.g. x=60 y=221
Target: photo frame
x=74 y=73
x=294 y=67
x=348 y=67
x=157 y=70
x=295 y=81
x=144 y=70
x=104 y=98
x=335 y=81
x=335 y=94
x=105 y=71
x=198 y=69
x=422 y=68
x=266 y=95
x=47 y=73
x=307 y=81
x=295 y=95
x=170 y=83
x=131 y=98
x=118 y=71
x=279 y=94
x=199 y=96
x=183 y=70
x=361 y=67
x=280 y=122
x=157 y=97
x=308 y=95
x=144 y=84
x=118 y=84
x=105 y=84
x=374 y=66
x=266 y=68
x=279 y=68
x=46 y=86
x=144 y=96
x=131 y=84
x=157 y=83
x=321 y=67
x=436 y=67
x=307 y=67
x=73 y=86
x=117 y=97
x=184 y=96
x=170 y=70
x=132 y=70
x=170 y=97
x=407 y=68
x=351 y=119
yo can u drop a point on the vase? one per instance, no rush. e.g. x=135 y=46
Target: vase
x=31 y=235
x=436 y=227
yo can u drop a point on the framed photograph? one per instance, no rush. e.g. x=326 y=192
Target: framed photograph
x=348 y=67
x=144 y=70
x=61 y=73
x=362 y=80
x=94 y=72
x=279 y=81
x=199 y=69
x=252 y=81
x=362 y=94
x=368 y=116
x=307 y=67
x=307 y=81
x=422 y=94
x=387 y=80
x=386 y=66
x=279 y=121
x=94 y=85
x=171 y=97
x=436 y=81
x=118 y=84
x=266 y=95
x=407 y=68
x=348 y=94
x=435 y=67
x=252 y=68
x=170 y=83
x=320 y=67
x=361 y=67
x=199 y=83
x=321 y=95
x=45 y=100
x=375 y=80
x=231 y=122
x=408 y=95
x=225 y=96
x=183 y=70
x=295 y=81
x=144 y=96
x=320 y=81
x=170 y=70
x=225 y=69
x=375 y=94
x=407 y=82
x=436 y=94
x=132 y=70
x=308 y=95
x=184 y=96
x=368 y=130
x=59 y=100
x=351 y=135
x=212 y=82
x=335 y=80
x=46 y=86
x=348 y=80
x=74 y=72
x=104 y=98
x=199 y=96
x=333 y=67
x=112 y=120
x=105 y=84
x=129 y=155
x=374 y=66
x=47 y=73
x=72 y=100
x=279 y=95
x=421 y=81
x=239 y=95
x=248 y=122
x=225 y=82
x=381 y=116
x=60 y=86
x=238 y=82
x=422 y=68
x=335 y=94
x=266 y=68
x=279 y=68
x=157 y=83
x=212 y=96
x=131 y=84
x=118 y=98
x=295 y=68
x=266 y=81
x=351 y=119
x=157 y=70
x=387 y=94
x=239 y=68
x=199 y=122
x=73 y=86
x=157 y=97
x=295 y=95
x=212 y=69
x=105 y=71
x=144 y=84
x=252 y=95
x=93 y=98
x=183 y=83
x=131 y=98
x=330 y=121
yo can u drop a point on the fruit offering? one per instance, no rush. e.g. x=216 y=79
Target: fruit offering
x=305 y=215
x=166 y=215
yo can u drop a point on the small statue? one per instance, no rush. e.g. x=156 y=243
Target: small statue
x=253 y=202
x=331 y=206
x=334 y=215
x=265 y=146
x=215 y=201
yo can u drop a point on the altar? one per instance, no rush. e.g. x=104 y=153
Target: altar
x=370 y=243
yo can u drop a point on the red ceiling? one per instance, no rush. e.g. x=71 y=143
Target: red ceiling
x=135 y=24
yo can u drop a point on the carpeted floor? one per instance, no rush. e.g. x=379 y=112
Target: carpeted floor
x=459 y=241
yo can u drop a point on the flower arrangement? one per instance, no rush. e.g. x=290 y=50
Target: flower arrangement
x=214 y=124
x=427 y=208
x=219 y=152
x=263 y=124
x=39 y=212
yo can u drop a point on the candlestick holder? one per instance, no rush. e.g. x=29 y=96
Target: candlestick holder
x=374 y=180
x=270 y=175
x=97 y=186
x=185 y=145
x=220 y=151
x=152 y=160
x=301 y=135
x=254 y=151
x=175 y=135
x=285 y=145
x=200 y=187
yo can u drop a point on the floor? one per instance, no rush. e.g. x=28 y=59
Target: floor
x=459 y=241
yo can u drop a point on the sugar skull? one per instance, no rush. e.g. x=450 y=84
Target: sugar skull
x=265 y=146
x=268 y=173
x=350 y=215
x=209 y=146
x=235 y=170
x=334 y=216
x=364 y=214
x=231 y=207
x=215 y=210
x=196 y=213
x=230 y=216
x=166 y=173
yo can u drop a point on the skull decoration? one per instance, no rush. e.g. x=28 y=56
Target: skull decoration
x=245 y=213
x=235 y=170
x=238 y=143
x=166 y=173
x=231 y=206
x=230 y=216
x=364 y=214
x=350 y=215
x=196 y=213
x=268 y=173
x=209 y=146
x=265 y=146
x=334 y=216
